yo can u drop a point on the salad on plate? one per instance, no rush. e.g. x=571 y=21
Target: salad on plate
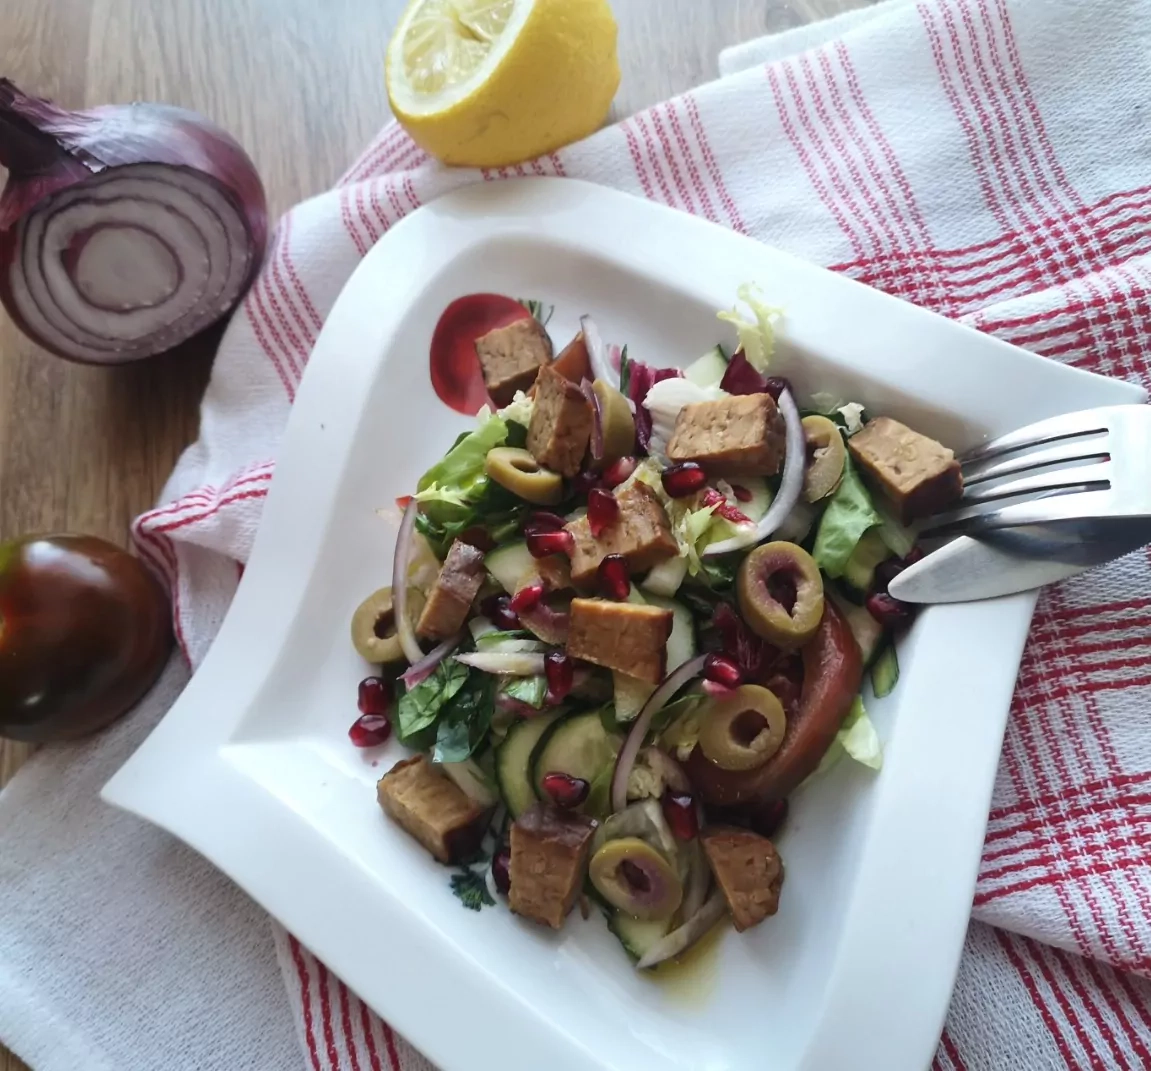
x=631 y=612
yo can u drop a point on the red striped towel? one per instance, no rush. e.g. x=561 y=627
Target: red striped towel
x=988 y=159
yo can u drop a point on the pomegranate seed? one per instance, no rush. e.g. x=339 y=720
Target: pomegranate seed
x=566 y=791
x=478 y=537
x=541 y=544
x=715 y=689
x=497 y=609
x=602 y=511
x=768 y=817
x=542 y=520
x=618 y=471
x=776 y=385
x=614 y=578
x=723 y=671
x=560 y=672
x=527 y=597
x=886 y=572
x=742 y=494
x=683 y=479
x=373 y=696
x=889 y=612
x=403 y=502
x=582 y=482
x=723 y=508
x=502 y=871
x=679 y=810
x=370 y=730
x=913 y=555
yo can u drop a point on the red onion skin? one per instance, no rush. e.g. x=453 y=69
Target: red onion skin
x=48 y=149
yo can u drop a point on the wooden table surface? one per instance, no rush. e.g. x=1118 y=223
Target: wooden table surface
x=301 y=85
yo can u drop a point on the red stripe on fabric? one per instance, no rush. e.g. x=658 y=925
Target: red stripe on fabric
x=712 y=165
x=410 y=192
x=362 y=211
x=1123 y=992
x=937 y=1063
x=538 y=168
x=369 y=1037
x=349 y=225
x=387 y=142
x=260 y=293
x=255 y=320
x=323 y=980
x=697 y=182
x=636 y=153
x=286 y=291
x=1039 y=958
x=653 y=160
x=183 y=522
x=390 y=1039
x=1115 y=1005
x=346 y=1025
x=1056 y=799
x=1032 y=989
x=290 y=268
x=240 y=479
x=668 y=154
x=813 y=173
x=377 y=207
x=558 y=164
x=305 y=1000
x=952 y=1051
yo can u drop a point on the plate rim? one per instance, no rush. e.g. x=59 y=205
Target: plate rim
x=434 y=235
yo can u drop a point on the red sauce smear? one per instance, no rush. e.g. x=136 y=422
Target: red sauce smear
x=455 y=369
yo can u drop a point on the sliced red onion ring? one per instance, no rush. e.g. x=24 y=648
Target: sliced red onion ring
x=790 y=486
x=426 y=665
x=679 y=941
x=698 y=878
x=597 y=420
x=511 y=664
x=126 y=229
x=549 y=625
x=597 y=352
x=404 y=631
x=671 y=684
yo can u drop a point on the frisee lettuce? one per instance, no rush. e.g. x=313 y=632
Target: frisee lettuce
x=756 y=332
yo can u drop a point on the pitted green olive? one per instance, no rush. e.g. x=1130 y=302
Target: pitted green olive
x=742 y=730
x=523 y=475
x=617 y=421
x=780 y=594
x=374 y=626
x=632 y=876
x=826 y=455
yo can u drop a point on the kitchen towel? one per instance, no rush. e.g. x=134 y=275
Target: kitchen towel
x=988 y=159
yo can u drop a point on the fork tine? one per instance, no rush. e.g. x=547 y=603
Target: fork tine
x=971 y=520
x=1069 y=425
x=1064 y=451
x=1087 y=477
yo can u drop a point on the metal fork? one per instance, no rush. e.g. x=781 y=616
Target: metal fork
x=1083 y=486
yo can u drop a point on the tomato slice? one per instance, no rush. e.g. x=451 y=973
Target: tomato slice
x=832 y=674
x=455 y=369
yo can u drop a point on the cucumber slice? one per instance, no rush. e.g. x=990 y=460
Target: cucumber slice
x=708 y=370
x=509 y=565
x=636 y=936
x=885 y=672
x=576 y=744
x=630 y=695
x=665 y=578
x=681 y=642
x=471 y=778
x=513 y=762
x=867 y=631
x=869 y=552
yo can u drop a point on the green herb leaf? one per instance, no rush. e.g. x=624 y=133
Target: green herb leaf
x=464 y=723
x=471 y=889
x=849 y=514
x=538 y=309
x=419 y=708
x=530 y=690
x=624 y=373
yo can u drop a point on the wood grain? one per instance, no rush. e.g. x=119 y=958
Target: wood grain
x=300 y=84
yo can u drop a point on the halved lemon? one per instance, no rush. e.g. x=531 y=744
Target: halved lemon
x=485 y=83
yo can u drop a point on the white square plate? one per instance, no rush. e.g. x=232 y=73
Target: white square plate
x=252 y=767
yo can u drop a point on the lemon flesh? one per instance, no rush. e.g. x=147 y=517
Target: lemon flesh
x=486 y=83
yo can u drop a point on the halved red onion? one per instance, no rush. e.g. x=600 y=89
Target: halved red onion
x=126 y=229
x=400 y=560
x=597 y=420
x=679 y=941
x=511 y=664
x=426 y=665
x=790 y=486
x=671 y=684
x=597 y=352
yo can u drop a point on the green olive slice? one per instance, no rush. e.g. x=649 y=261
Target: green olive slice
x=523 y=475
x=826 y=455
x=742 y=730
x=632 y=876
x=617 y=422
x=780 y=594
x=374 y=629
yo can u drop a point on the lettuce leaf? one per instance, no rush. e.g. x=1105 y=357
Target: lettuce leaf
x=462 y=467
x=857 y=739
x=849 y=514
x=530 y=690
x=757 y=332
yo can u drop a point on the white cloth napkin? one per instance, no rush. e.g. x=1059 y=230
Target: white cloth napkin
x=986 y=158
